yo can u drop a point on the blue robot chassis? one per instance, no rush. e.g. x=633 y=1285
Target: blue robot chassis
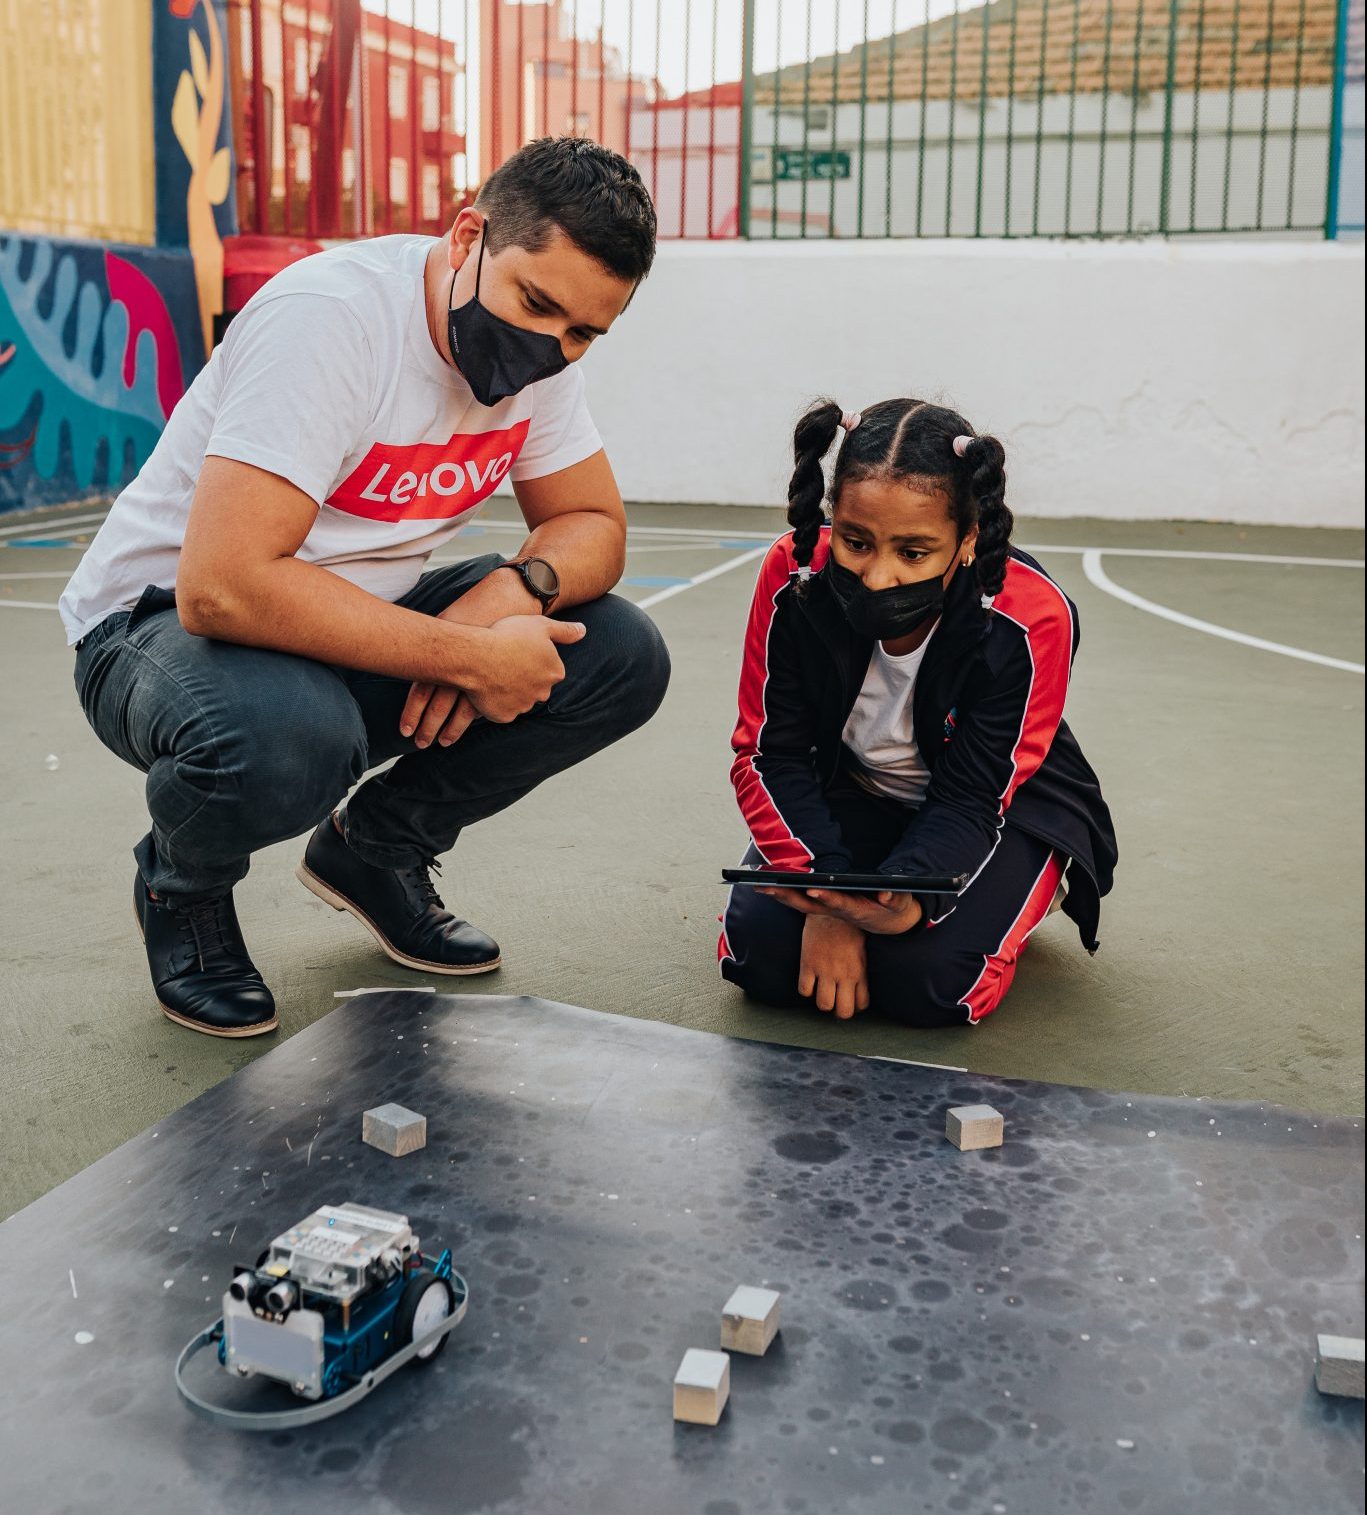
x=333 y=1307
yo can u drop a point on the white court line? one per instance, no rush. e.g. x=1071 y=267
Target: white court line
x=444 y=562
x=704 y=537
x=43 y=573
x=44 y=528
x=722 y=535
x=701 y=578
x=1200 y=557
x=1097 y=576
x=637 y=548
x=1091 y=564
x=645 y=604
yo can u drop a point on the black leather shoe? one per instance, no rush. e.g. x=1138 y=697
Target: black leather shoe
x=200 y=968
x=400 y=907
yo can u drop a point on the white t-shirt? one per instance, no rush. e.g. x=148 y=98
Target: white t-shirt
x=328 y=377
x=879 y=730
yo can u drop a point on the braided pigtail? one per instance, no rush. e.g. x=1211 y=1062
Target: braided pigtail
x=987 y=489
x=807 y=488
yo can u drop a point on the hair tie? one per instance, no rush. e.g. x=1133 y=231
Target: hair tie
x=961 y=446
x=805 y=572
x=849 y=419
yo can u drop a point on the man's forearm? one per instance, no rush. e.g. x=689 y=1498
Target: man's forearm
x=291 y=606
x=587 y=549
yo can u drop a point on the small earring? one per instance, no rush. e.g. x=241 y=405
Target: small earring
x=968 y=561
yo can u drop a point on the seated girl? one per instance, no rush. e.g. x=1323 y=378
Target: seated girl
x=901 y=712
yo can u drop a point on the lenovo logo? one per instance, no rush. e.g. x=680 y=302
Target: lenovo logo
x=429 y=480
x=445 y=479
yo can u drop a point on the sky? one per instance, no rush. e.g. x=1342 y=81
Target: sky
x=686 y=28
x=674 y=40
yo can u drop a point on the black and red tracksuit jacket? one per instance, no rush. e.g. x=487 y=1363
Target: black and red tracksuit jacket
x=988 y=715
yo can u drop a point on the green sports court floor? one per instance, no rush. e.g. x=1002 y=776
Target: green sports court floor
x=1231 y=961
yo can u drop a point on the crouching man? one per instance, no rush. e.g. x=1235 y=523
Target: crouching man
x=255 y=624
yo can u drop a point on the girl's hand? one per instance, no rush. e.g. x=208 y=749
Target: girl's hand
x=833 y=967
x=885 y=914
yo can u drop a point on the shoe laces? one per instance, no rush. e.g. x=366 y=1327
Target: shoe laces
x=419 y=878
x=206 y=924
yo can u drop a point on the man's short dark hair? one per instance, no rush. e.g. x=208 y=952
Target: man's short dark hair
x=590 y=192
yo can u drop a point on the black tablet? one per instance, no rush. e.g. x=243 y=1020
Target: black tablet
x=849 y=883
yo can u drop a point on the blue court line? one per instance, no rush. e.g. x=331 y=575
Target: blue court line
x=40 y=542
x=655 y=581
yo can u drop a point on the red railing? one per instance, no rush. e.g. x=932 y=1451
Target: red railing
x=375 y=124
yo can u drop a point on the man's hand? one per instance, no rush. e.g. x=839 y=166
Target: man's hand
x=885 y=914
x=432 y=712
x=833 y=970
x=578 y=524
x=520 y=671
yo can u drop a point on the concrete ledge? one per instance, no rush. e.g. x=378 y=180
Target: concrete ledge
x=1129 y=380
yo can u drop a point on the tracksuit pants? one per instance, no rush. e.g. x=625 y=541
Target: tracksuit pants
x=953 y=971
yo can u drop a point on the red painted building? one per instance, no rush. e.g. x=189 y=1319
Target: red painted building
x=538 y=79
x=364 y=135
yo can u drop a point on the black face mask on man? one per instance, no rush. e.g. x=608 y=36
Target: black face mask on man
x=884 y=614
x=497 y=359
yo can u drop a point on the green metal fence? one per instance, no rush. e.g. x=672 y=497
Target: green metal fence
x=1346 y=168
x=1041 y=117
x=818 y=118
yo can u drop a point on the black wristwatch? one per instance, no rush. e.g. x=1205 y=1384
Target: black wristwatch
x=540 y=578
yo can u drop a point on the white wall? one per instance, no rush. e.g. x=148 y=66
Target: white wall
x=1212 y=380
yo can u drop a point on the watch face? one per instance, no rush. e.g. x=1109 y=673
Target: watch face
x=541 y=576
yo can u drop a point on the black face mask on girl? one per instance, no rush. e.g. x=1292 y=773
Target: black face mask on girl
x=884 y=614
x=497 y=359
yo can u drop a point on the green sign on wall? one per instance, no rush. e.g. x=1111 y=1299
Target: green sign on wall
x=808 y=163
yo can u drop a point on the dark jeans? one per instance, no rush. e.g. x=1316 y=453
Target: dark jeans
x=948 y=974
x=244 y=747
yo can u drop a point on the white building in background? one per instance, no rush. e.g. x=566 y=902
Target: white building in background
x=1060 y=142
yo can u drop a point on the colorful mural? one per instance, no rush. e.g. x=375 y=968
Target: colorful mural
x=195 y=202
x=96 y=344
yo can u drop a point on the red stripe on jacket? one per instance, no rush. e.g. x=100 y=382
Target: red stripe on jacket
x=1039 y=607
x=989 y=988
x=771 y=833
